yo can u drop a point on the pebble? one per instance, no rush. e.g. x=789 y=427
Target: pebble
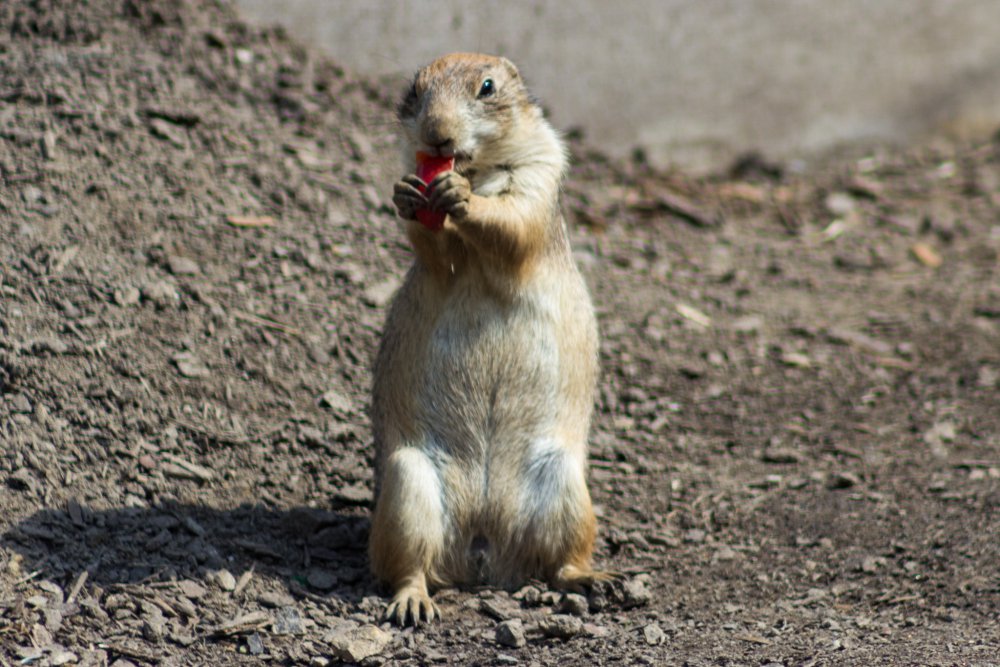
x=596 y=631
x=255 y=644
x=335 y=400
x=225 y=580
x=531 y=596
x=359 y=643
x=695 y=536
x=511 y=633
x=653 y=634
x=20 y=403
x=275 y=599
x=561 y=626
x=574 y=604
x=287 y=621
x=843 y=480
x=190 y=366
x=127 y=296
x=161 y=293
x=182 y=266
x=321 y=579
x=635 y=593
x=780 y=455
x=379 y=294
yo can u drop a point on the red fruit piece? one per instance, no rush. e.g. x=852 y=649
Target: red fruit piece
x=428 y=167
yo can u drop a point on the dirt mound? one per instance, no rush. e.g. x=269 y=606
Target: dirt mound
x=797 y=446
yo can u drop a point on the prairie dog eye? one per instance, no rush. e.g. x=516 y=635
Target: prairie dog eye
x=487 y=89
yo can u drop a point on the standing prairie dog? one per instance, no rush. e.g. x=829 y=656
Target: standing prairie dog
x=485 y=376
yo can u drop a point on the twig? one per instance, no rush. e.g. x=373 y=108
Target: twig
x=266 y=322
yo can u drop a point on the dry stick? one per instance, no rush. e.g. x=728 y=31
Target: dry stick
x=77 y=585
x=266 y=323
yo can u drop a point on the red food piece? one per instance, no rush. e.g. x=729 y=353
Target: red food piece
x=428 y=167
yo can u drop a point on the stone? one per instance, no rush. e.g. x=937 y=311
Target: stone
x=359 y=643
x=161 y=293
x=635 y=594
x=574 y=604
x=511 y=633
x=653 y=634
x=225 y=580
x=182 y=266
x=379 y=294
x=561 y=626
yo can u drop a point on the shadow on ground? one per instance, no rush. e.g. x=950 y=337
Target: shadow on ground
x=314 y=552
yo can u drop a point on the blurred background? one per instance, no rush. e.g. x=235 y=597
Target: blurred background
x=697 y=82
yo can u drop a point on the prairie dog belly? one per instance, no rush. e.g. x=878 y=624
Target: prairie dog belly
x=492 y=371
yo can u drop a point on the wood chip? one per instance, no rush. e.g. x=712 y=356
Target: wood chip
x=250 y=221
x=242 y=582
x=193 y=470
x=926 y=255
x=266 y=322
x=253 y=621
x=74 y=590
x=694 y=315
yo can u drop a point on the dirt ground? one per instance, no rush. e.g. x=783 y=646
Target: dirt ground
x=796 y=452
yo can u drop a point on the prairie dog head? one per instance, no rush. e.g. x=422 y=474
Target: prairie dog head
x=469 y=106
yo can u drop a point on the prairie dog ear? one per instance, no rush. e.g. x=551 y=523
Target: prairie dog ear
x=511 y=69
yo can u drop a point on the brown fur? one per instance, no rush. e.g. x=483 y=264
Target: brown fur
x=485 y=376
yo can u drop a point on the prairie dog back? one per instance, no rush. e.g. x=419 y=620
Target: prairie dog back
x=484 y=380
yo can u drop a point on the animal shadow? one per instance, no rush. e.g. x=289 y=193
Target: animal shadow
x=315 y=553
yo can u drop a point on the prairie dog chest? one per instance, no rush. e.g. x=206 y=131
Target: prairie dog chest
x=487 y=348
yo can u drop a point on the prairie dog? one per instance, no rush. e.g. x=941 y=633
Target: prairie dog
x=485 y=376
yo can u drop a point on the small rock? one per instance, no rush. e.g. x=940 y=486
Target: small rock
x=127 y=296
x=595 y=631
x=380 y=294
x=939 y=436
x=182 y=266
x=225 y=580
x=574 y=604
x=321 y=579
x=190 y=366
x=780 y=455
x=275 y=599
x=52 y=346
x=843 y=480
x=255 y=645
x=192 y=589
x=635 y=593
x=311 y=436
x=839 y=203
x=334 y=400
x=530 y=596
x=653 y=634
x=20 y=403
x=161 y=293
x=357 y=644
x=695 y=536
x=725 y=554
x=499 y=608
x=871 y=564
x=748 y=324
x=561 y=626
x=287 y=621
x=511 y=633
x=353 y=494
x=22 y=480
x=61 y=657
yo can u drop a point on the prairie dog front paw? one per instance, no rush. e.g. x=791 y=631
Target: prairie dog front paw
x=408 y=196
x=450 y=194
